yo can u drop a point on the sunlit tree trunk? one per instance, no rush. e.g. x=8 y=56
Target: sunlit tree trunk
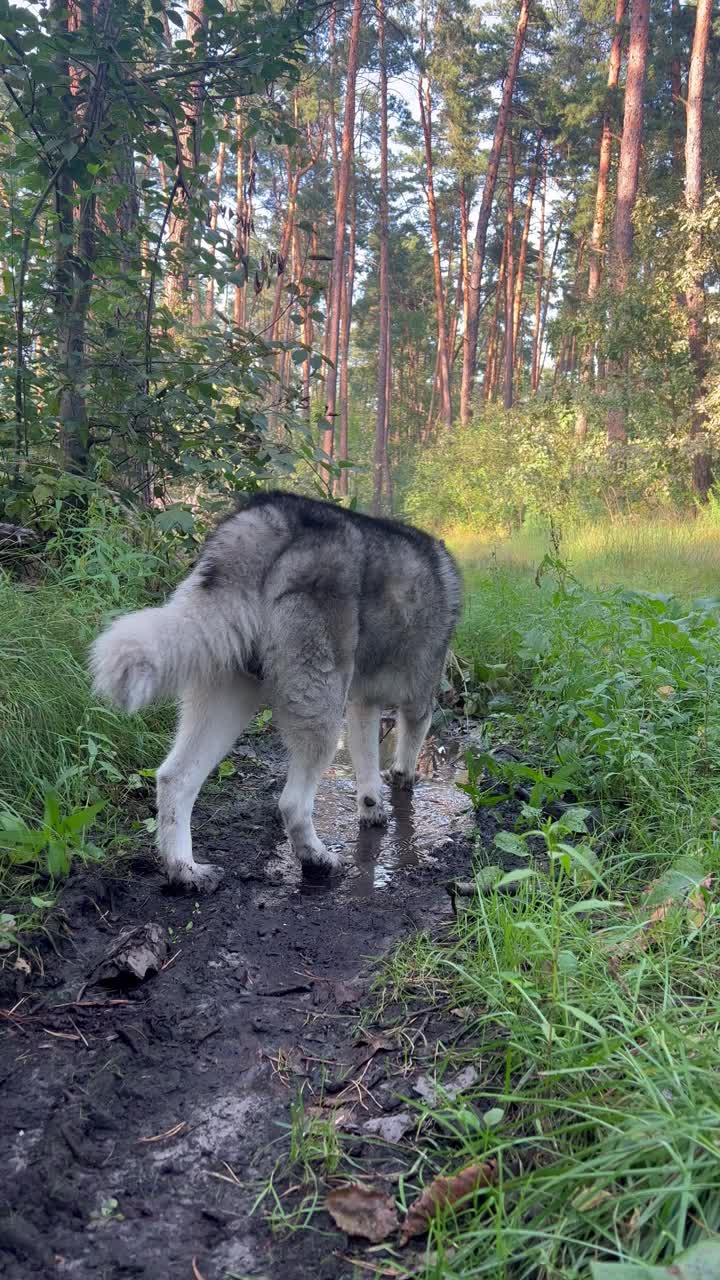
x=214 y=215
x=522 y=255
x=509 y=278
x=470 y=338
x=345 y=345
x=535 y=355
x=380 y=464
x=425 y=101
x=695 y=295
x=627 y=182
x=341 y=204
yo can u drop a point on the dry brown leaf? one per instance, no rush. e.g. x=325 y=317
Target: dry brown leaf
x=446 y=1193
x=363 y=1211
x=665 y=690
x=695 y=903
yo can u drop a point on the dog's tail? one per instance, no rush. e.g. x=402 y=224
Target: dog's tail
x=154 y=654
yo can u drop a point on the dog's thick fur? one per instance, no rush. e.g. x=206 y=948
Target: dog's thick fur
x=308 y=608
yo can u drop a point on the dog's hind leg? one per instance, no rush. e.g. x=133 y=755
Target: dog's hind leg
x=363 y=725
x=312 y=747
x=413 y=724
x=211 y=719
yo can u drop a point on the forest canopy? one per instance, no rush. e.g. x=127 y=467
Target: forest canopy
x=454 y=260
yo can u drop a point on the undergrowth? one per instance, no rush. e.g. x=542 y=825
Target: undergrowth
x=587 y=978
x=66 y=762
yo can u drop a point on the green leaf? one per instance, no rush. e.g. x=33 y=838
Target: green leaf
x=700 y=1262
x=509 y=842
x=58 y=860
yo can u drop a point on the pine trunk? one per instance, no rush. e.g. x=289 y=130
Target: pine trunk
x=380 y=466
x=535 y=356
x=509 y=279
x=341 y=204
x=627 y=182
x=695 y=295
x=470 y=337
x=522 y=256
x=425 y=100
x=345 y=345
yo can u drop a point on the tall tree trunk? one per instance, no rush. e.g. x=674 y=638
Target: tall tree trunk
x=341 y=203
x=464 y=254
x=214 y=214
x=470 y=338
x=535 y=356
x=605 y=153
x=676 y=89
x=598 y=227
x=180 y=225
x=627 y=182
x=509 y=279
x=522 y=256
x=695 y=295
x=381 y=417
x=425 y=100
x=242 y=223
x=489 y=379
x=345 y=344
x=546 y=302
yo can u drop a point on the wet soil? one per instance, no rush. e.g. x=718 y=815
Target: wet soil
x=140 y=1120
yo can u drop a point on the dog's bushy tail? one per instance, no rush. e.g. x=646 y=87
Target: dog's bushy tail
x=154 y=654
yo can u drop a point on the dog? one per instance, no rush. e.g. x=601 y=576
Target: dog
x=312 y=609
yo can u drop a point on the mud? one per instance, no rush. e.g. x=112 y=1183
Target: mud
x=140 y=1119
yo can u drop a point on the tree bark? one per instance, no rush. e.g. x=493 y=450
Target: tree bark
x=490 y=362
x=522 y=256
x=627 y=182
x=535 y=357
x=341 y=203
x=676 y=90
x=214 y=213
x=695 y=295
x=605 y=153
x=345 y=344
x=470 y=338
x=509 y=279
x=380 y=467
x=425 y=100
x=242 y=223
x=180 y=225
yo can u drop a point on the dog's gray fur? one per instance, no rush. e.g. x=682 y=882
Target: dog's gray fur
x=308 y=608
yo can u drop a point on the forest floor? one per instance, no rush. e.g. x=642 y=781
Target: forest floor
x=143 y=1119
x=530 y=1062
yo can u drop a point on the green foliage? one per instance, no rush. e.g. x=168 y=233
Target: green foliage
x=53 y=844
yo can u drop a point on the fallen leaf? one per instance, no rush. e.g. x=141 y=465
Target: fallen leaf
x=375 y=1042
x=665 y=691
x=433 y=1091
x=136 y=953
x=390 y=1128
x=446 y=1193
x=363 y=1211
x=22 y=965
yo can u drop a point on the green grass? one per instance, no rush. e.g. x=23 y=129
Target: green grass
x=56 y=741
x=594 y=1033
x=682 y=556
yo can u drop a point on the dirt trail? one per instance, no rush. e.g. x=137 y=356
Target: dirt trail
x=119 y=1108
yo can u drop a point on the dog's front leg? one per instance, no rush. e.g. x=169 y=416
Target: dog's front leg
x=210 y=722
x=363 y=725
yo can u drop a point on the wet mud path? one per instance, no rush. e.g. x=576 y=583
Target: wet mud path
x=138 y=1122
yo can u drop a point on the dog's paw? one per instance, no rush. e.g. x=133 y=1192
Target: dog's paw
x=371 y=811
x=399 y=779
x=203 y=877
x=316 y=859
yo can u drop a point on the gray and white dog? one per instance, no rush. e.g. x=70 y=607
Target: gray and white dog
x=313 y=610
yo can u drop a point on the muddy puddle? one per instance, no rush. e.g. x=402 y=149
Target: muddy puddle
x=141 y=1122
x=420 y=822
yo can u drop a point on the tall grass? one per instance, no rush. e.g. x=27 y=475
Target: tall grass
x=681 y=556
x=588 y=998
